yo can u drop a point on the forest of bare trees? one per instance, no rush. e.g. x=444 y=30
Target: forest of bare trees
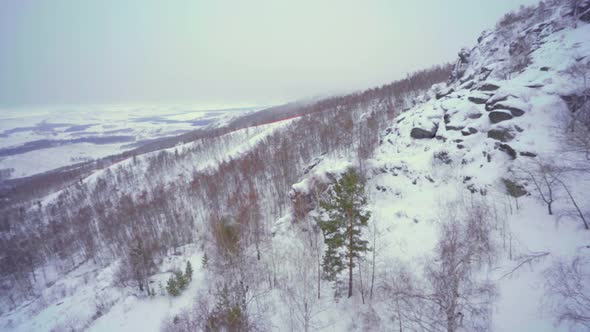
x=102 y=220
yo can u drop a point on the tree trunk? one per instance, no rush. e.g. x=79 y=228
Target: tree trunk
x=319 y=274
x=569 y=193
x=350 y=255
x=451 y=323
x=361 y=282
x=399 y=315
x=373 y=261
x=306 y=317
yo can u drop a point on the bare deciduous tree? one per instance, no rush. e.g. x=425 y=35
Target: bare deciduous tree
x=547 y=177
x=574 y=202
x=568 y=288
x=544 y=175
x=451 y=295
x=300 y=292
x=463 y=248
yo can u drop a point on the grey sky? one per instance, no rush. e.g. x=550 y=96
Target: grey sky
x=252 y=52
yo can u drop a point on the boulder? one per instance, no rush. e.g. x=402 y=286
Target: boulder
x=455 y=128
x=544 y=69
x=528 y=154
x=488 y=87
x=501 y=134
x=484 y=73
x=477 y=100
x=444 y=93
x=515 y=111
x=421 y=133
x=461 y=66
x=464 y=55
x=474 y=116
x=469 y=131
x=514 y=189
x=499 y=116
x=508 y=149
x=468 y=85
x=447 y=118
x=491 y=102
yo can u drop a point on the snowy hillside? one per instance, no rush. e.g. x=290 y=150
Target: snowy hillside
x=475 y=192
x=490 y=127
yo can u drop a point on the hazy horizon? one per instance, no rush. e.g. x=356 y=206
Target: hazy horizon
x=262 y=52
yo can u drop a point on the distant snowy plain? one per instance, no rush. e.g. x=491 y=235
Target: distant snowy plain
x=36 y=140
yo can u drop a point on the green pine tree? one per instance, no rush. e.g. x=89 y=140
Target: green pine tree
x=230 y=312
x=188 y=272
x=181 y=281
x=343 y=219
x=172 y=286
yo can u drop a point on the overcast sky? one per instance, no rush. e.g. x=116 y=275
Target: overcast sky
x=56 y=52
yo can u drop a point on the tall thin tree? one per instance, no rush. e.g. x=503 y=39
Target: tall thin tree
x=343 y=219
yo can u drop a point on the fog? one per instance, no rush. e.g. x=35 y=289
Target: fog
x=256 y=52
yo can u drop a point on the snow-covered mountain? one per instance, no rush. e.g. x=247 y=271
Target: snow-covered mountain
x=477 y=189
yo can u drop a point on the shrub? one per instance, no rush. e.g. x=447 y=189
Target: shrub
x=172 y=286
x=442 y=157
x=179 y=281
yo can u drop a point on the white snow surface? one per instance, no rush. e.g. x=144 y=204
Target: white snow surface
x=408 y=188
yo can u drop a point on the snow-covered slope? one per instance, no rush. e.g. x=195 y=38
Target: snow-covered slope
x=466 y=158
x=486 y=136
x=493 y=122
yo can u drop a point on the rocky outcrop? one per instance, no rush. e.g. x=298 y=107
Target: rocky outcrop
x=499 y=116
x=501 y=134
x=508 y=150
x=515 y=111
x=488 y=87
x=528 y=154
x=495 y=99
x=455 y=128
x=469 y=131
x=444 y=93
x=461 y=65
x=477 y=100
x=514 y=189
x=422 y=133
